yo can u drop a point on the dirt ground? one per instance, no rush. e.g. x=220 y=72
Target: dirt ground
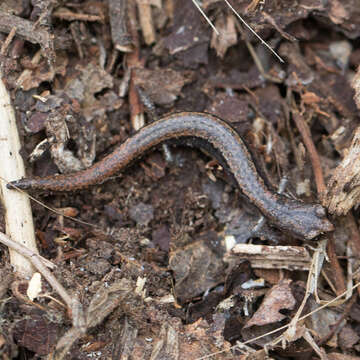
x=152 y=263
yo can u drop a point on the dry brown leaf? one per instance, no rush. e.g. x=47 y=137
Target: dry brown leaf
x=43 y=72
x=163 y=86
x=278 y=298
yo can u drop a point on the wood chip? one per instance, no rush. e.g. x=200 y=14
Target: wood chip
x=343 y=189
x=274 y=257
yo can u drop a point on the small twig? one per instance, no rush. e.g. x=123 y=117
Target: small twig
x=133 y=61
x=253 y=32
x=242 y=20
x=112 y=60
x=297 y=156
x=41 y=264
x=205 y=16
x=336 y=269
x=313 y=154
x=8 y=40
x=23 y=250
x=25 y=29
x=259 y=65
x=146 y=21
x=354 y=241
x=273 y=257
x=66 y=14
x=272 y=21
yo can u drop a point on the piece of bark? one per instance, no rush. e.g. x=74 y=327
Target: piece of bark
x=146 y=21
x=273 y=257
x=121 y=36
x=356 y=86
x=24 y=28
x=343 y=190
x=37 y=35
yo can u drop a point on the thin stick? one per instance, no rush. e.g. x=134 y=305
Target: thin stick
x=25 y=29
x=133 y=61
x=305 y=132
x=252 y=31
x=41 y=264
x=23 y=250
x=8 y=40
x=205 y=16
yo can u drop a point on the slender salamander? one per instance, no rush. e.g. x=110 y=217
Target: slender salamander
x=217 y=137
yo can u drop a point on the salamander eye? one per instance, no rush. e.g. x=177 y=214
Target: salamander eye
x=320 y=211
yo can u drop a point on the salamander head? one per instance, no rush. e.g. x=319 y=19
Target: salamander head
x=23 y=184
x=304 y=221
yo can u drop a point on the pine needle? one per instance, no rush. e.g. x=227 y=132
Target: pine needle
x=242 y=20
x=250 y=28
x=205 y=16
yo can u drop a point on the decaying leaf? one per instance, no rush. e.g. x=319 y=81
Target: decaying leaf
x=278 y=298
x=42 y=72
x=162 y=86
x=196 y=269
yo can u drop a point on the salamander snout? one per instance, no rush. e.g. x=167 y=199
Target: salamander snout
x=304 y=221
x=313 y=221
x=22 y=184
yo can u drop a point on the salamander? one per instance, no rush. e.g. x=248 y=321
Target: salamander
x=221 y=140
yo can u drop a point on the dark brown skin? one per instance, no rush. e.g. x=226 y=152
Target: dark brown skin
x=216 y=136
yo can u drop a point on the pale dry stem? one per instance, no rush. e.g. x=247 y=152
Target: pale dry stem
x=18 y=216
